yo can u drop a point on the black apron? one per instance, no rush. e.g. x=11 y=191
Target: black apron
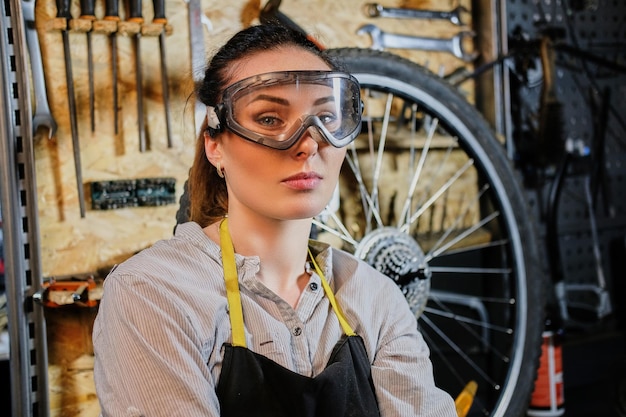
x=251 y=385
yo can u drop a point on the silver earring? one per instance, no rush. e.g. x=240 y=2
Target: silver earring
x=219 y=169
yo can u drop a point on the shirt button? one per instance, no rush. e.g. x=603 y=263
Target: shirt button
x=313 y=286
x=297 y=331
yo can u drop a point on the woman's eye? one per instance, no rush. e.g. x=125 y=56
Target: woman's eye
x=328 y=118
x=268 y=121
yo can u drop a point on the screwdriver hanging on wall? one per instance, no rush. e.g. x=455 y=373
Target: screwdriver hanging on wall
x=63 y=12
x=112 y=14
x=136 y=16
x=159 y=18
x=87 y=12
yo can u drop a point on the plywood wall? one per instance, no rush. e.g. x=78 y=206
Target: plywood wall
x=71 y=244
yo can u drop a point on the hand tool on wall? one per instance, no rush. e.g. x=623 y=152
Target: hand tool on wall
x=87 y=13
x=198 y=55
x=63 y=11
x=136 y=16
x=270 y=14
x=112 y=14
x=140 y=192
x=453 y=45
x=62 y=291
x=159 y=18
x=43 y=116
x=377 y=10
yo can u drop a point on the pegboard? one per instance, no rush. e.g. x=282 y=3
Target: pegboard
x=589 y=38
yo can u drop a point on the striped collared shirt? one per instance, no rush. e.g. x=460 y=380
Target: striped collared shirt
x=163 y=320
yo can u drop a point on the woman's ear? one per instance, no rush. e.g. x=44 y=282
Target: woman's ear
x=212 y=148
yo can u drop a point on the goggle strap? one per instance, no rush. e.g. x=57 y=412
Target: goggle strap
x=213 y=121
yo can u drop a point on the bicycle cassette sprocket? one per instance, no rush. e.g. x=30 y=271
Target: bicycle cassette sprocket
x=400 y=257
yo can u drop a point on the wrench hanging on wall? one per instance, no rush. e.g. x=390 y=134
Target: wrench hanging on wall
x=455 y=16
x=454 y=45
x=43 y=116
x=198 y=55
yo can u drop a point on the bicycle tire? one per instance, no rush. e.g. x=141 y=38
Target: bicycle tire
x=484 y=313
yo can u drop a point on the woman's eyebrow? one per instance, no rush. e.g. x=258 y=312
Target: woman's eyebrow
x=273 y=99
x=285 y=102
x=323 y=100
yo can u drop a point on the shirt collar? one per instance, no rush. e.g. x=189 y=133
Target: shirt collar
x=249 y=265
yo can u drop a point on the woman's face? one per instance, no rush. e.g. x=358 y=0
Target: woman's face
x=295 y=183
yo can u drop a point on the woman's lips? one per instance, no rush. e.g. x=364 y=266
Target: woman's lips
x=303 y=181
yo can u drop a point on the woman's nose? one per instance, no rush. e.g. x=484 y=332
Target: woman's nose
x=310 y=142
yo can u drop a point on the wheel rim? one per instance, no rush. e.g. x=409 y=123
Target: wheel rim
x=411 y=174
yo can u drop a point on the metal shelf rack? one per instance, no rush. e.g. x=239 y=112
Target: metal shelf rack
x=27 y=331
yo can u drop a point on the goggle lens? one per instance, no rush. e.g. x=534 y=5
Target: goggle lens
x=275 y=109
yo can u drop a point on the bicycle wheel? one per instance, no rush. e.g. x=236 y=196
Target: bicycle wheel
x=428 y=196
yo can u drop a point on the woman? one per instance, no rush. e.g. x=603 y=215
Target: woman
x=239 y=314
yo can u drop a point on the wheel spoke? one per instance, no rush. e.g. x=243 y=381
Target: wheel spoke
x=438 y=193
x=469 y=270
x=462 y=236
x=459 y=351
x=475 y=247
x=456 y=224
x=417 y=172
x=370 y=207
x=376 y=157
x=339 y=230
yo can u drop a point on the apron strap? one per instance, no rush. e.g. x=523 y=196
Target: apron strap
x=232 y=286
x=331 y=297
x=234 y=298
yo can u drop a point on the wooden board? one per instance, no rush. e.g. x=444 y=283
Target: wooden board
x=71 y=244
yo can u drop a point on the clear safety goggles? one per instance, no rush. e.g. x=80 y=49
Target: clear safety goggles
x=275 y=109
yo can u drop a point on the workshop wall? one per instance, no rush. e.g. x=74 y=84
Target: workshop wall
x=74 y=245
